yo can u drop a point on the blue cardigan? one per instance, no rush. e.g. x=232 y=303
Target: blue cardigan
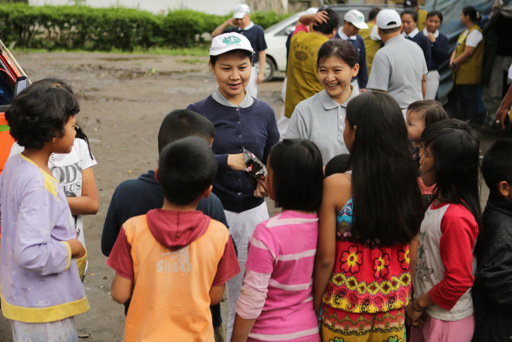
x=253 y=128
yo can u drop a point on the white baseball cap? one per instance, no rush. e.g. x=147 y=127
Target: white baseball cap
x=388 y=19
x=229 y=41
x=356 y=18
x=240 y=11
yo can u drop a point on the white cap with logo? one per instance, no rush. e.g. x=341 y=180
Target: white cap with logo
x=388 y=19
x=229 y=41
x=356 y=18
x=240 y=11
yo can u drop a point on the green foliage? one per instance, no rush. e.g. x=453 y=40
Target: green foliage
x=104 y=29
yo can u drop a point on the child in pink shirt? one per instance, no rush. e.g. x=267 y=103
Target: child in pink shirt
x=276 y=302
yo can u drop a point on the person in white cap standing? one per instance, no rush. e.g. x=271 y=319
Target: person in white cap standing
x=242 y=123
x=241 y=23
x=399 y=67
x=354 y=21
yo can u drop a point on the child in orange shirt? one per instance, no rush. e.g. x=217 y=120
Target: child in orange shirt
x=174 y=262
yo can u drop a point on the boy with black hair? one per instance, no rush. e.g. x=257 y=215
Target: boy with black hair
x=173 y=262
x=135 y=197
x=492 y=290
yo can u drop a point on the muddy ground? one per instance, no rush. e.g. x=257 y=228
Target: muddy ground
x=123 y=100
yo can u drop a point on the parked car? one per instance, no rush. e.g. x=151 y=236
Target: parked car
x=276 y=36
x=12 y=81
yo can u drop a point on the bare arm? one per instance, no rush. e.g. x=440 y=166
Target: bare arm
x=337 y=191
x=424 y=85
x=262 y=60
x=88 y=202
x=413 y=254
x=318 y=17
x=121 y=289
x=216 y=293
x=220 y=29
x=416 y=308
x=504 y=108
x=241 y=329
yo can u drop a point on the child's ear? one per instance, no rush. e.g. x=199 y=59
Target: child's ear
x=156 y=174
x=207 y=192
x=504 y=188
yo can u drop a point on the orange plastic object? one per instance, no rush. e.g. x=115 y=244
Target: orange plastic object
x=6 y=141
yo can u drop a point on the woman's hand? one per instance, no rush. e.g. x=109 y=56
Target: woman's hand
x=236 y=162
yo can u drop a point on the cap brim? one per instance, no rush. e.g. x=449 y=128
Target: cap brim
x=239 y=15
x=360 y=26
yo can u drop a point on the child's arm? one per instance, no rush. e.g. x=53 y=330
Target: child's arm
x=216 y=293
x=336 y=189
x=494 y=270
x=88 y=202
x=121 y=289
x=77 y=249
x=241 y=329
x=34 y=247
x=459 y=231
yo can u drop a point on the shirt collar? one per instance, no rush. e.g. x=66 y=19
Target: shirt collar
x=344 y=36
x=425 y=32
x=221 y=99
x=412 y=34
x=329 y=103
x=251 y=24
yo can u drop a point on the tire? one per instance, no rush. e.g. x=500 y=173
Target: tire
x=270 y=69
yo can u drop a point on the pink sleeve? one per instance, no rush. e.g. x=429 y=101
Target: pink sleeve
x=459 y=230
x=258 y=269
x=228 y=265
x=300 y=28
x=120 y=258
x=253 y=295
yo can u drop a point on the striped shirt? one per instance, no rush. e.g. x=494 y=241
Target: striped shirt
x=278 y=283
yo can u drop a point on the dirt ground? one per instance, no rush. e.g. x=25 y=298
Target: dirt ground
x=123 y=100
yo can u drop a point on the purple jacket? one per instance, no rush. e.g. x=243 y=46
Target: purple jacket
x=36 y=268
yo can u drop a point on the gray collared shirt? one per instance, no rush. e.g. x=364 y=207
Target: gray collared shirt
x=322 y=120
x=219 y=98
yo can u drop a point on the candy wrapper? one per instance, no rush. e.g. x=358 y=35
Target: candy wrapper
x=255 y=168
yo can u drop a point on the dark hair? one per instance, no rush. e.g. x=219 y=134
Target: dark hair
x=248 y=54
x=338 y=48
x=338 y=164
x=186 y=168
x=384 y=179
x=435 y=13
x=80 y=134
x=373 y=13
x=297 y=174
x=455 y=148
x=391 y=30
x=39 y=113
x=182 y=123
x=411 y=12
x=430 y=110
x=474 y=16
x=332 y=23
x=497 y=165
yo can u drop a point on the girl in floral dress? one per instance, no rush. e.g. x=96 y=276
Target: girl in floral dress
x=362 y=278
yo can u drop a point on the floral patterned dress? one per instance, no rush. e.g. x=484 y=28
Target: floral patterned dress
x=368 y=290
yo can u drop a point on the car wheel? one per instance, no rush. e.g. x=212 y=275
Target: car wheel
x=270 y=68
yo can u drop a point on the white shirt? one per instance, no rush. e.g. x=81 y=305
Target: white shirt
x=412 y=34
x=473 y=38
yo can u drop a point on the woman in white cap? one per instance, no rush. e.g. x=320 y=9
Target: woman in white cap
x=242 y=122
